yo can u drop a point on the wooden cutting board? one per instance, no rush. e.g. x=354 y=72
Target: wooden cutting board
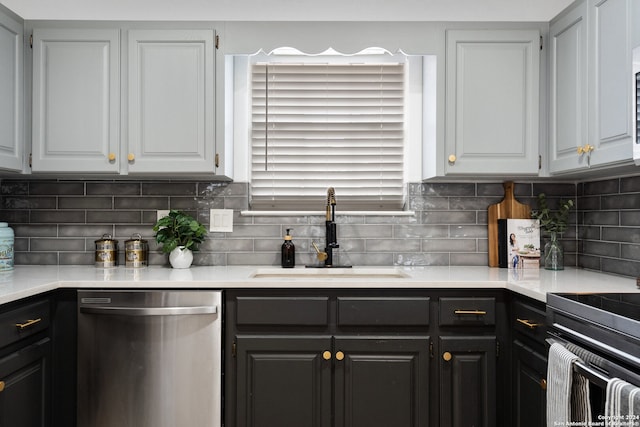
x=509 y=207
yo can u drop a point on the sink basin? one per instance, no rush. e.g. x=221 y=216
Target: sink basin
x=329 y=273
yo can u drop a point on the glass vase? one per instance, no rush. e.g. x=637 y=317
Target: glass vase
x=553 y=254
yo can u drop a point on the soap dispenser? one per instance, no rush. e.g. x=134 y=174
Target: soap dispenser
x=288 y=252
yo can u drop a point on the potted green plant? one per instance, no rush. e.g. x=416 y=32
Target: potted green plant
x=554 y=222
x=179 y=234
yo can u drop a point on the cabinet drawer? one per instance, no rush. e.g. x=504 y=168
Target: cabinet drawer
x=467 y=311
x=529 y=320
x=23 y=322
x=370 y=311
x=284 y=311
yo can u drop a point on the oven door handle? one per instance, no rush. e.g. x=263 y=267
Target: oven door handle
x=149 y=311
x=597 y=344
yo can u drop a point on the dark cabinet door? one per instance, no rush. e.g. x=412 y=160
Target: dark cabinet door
x=284 y=381
x=467 y=381
x=24 y=383
x=381 y=382
x=530 y=384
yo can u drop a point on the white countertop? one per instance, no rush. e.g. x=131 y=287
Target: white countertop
x=25 y=281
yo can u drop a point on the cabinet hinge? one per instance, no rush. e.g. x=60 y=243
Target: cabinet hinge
x=431 y=349
x=217 y=42
x=234 y=349
x=540 y=42
x=31 y=41
x=497 y=349
x=539 y=161
x=30 y=159
x=217 y=160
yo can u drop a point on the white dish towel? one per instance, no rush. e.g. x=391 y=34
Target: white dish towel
x=567 y=394
x=622 y=404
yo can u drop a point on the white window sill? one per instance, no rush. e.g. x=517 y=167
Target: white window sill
x=323 y=213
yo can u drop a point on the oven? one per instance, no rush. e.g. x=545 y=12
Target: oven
x=603 y=330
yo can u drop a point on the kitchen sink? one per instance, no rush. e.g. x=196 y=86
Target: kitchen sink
x=328 y=273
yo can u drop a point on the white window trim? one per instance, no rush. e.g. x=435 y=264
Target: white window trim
x=420 y=92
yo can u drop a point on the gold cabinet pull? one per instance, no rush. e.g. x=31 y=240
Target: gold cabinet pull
x=339 y=355
x=586 y=149
x=476 y=312
x=543 y=384
x=326 y=355
x=28 y=323
x=452 y=158
x=131 y=157
x=447 y=356
x=527 y=323
x=112 y=157
x=1 y=386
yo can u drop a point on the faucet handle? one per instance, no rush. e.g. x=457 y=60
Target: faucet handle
x=321 y=255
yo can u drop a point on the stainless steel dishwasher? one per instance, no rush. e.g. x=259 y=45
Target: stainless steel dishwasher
x=149 y=358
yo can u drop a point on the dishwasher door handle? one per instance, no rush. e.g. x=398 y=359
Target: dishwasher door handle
x=149 y=311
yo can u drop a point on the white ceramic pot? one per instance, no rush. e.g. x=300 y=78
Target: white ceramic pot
x=181 y=257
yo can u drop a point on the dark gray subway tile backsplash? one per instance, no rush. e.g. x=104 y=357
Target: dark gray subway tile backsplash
x=609 y=227
x=58 y=221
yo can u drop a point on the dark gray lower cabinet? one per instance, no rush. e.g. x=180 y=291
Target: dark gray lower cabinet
x=24 y=374
x=381 y=381
x=468 y=381
x=25 y=354
x=358 y=358
x=529 y=361
x=292 y=381
x=529 y=378
x=283 y=381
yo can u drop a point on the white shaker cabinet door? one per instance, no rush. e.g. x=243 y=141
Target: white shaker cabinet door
x=76 y=100
x=492 y=95
x=11 y=95
x=610 y=103
x=568 y=90
x=591 y=106
x=171 y=101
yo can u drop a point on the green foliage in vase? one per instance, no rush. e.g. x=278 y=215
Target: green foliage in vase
x=554 y=221
x=179 y=229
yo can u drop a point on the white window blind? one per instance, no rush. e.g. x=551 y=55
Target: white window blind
x=327 y=125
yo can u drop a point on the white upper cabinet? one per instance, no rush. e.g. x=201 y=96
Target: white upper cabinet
x=76 y=100
x=171 y=101
x=590 y=110
x=11 y=94
x=166 y=122
x=492 y=102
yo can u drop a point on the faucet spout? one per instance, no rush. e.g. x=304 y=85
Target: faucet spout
x=330 y=223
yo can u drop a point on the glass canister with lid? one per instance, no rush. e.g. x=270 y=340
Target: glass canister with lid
x=6 y=247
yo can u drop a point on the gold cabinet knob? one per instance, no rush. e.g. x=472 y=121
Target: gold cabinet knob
x=112 y=157
x=339 y=355
x=326 y=355
x=452 y=158
x=447 y=356
x=1 y=386
x=131 y=157
x=543 y=384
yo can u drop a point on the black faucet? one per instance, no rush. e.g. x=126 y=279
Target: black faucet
x=331 y=235
x=330 y=223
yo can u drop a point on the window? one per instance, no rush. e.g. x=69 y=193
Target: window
x=327 y=121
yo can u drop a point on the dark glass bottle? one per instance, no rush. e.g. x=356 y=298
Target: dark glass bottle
x=288 y=252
